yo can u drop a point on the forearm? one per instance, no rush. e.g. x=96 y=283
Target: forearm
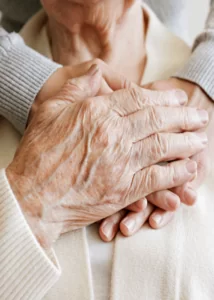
x=22 y=74
x=200 y=67
x=26 y=270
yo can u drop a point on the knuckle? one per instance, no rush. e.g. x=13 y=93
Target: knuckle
x=136 y=97
x=189 y=140
x=151 y=180
x=159 y=146
x=185 y=112
x=155 y=118
x=156 y=96
x=146 y=95
x=173 y=175
x=95 y=108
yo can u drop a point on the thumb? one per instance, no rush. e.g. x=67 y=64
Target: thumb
x=81 y=88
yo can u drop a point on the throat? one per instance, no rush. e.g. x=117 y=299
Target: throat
x=120 y=43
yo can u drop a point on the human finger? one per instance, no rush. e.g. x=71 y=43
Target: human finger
x=153 y=119
x=160 y=218
x=166 y=147
x=135 y=220
x=160 y=177
x=138 y=206
x=110 y=226
x=128 y=101
x=80 y=88
x=165 y=200
x=186 y=193
x=114 y=80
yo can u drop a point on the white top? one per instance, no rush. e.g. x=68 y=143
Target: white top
x=101 y=262
x=170 y=264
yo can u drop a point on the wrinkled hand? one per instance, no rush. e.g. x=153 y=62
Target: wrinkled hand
x=84 y=158
x=167 y=201
x=110 y=81
x=197 y=98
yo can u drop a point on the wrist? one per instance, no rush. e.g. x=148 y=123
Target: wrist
x=53 y=84
x=50 y=88
x=30 y=207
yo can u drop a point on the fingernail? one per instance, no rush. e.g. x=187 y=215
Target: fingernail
x=142 y=204
x=157 y=219
x=203 y=115
x=200 y=137
x=93 y=70
x=107 y=230
x=172 y=202
x=181 y=96
x=129 y=223
x=190 y=196
x=191 y=166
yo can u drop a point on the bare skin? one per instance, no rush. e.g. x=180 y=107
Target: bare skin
x=130 y=223
x=62 y=174
x=115 y=32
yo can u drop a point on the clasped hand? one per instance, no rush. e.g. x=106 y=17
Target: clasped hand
x=85 y=157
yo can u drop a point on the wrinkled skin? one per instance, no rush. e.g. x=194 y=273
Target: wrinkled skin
x=167 y=200
x=81 y=158
x=130 y=223
x=80 y=31
x=110 y=81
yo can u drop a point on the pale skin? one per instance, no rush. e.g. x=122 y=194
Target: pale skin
x=62 y=174
x=83 y=30
x=158 y=218
x=113 y=31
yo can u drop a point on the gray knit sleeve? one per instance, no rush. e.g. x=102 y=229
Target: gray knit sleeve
x=22 y=74
x=200 y=67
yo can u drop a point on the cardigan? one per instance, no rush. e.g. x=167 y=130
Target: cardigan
x=169 y=264
x=24 y=72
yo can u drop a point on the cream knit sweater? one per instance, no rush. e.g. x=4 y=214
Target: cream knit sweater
x=171 y=264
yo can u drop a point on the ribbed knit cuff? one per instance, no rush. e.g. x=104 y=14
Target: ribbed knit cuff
x=22 y=74
x=26 y=271
x=200 y=67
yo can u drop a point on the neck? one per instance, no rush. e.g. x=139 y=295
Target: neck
x=117 y=38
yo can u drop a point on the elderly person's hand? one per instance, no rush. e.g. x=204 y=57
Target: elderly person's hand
x=110 y=81
x=141 y=212
x=83 y=158
x=197 y=98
